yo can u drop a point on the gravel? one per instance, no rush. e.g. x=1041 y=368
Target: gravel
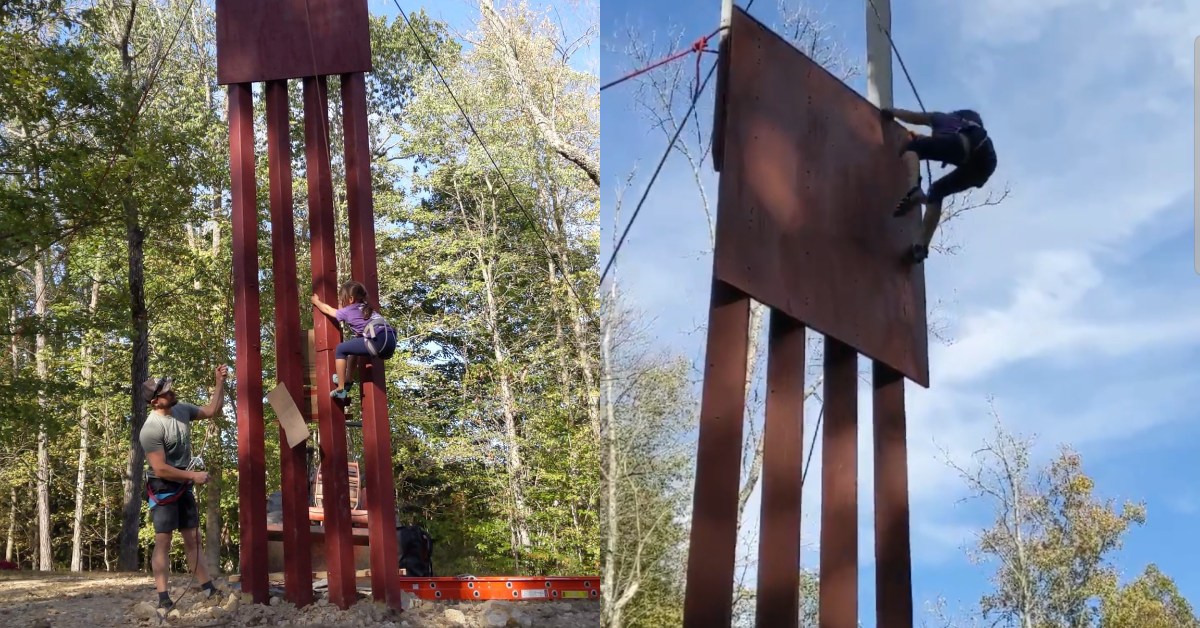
x=37 y=600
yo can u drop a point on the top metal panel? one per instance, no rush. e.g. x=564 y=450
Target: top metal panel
x=810 y=178
x=267 y=40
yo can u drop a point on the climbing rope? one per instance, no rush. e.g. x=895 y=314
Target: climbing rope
x=698 y=47
x=542 y=235
x=653 y=177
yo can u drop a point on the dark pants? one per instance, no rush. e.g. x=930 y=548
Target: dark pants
x=972 y=170
x=181 y=514
x=385 y=345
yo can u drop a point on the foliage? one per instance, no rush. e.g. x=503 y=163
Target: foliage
x=1052 y=541
x=71 y=162
x=1150 y=601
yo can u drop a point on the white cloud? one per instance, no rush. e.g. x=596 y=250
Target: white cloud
x=1089 y=104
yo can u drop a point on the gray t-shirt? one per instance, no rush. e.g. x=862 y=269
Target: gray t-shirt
x=171 y=433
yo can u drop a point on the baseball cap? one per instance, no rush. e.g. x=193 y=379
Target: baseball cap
x=154 y=387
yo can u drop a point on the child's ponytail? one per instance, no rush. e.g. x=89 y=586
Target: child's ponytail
x=355 y=292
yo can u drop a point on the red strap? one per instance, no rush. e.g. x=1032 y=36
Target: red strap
x=169 y=500
x=699 y=46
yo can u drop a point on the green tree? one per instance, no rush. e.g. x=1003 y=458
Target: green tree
x=1150 y=601
x=1052 y=542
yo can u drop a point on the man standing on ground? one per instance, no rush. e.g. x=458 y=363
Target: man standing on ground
x=166 y=438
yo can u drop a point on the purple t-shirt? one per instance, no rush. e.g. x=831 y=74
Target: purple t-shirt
x=353 y=316
x=950 y=123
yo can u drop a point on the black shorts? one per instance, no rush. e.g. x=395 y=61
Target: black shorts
x=181 y=514
x=971 y=170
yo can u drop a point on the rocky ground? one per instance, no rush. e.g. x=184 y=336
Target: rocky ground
x=35 y=600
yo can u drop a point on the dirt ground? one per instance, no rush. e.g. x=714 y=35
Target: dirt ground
x=39 y=600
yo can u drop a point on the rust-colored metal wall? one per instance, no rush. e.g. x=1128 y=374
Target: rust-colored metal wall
x=810 y=175
x=269 y=40
x=808 y=183
x=272 y=41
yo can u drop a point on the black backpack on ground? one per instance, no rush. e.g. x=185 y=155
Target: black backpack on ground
x=416 y=551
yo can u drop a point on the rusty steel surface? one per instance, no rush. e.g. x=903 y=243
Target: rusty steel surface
x=331 y=420
x=810 y=177
x=252 y=468
x=267 y=40
x=778 y=593
x=839 y=488
x=893 y=556
x=377 y=440
x=709 y=597
x=289 y=358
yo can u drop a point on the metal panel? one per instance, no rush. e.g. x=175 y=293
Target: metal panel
x=839 y=488
x=377 y=438
x=331 y=420
x=289 y=359
x=709 y=598
x=809 y=181
x=252 y=468
x=893 y=556
x=778 y=599
x=266 y=40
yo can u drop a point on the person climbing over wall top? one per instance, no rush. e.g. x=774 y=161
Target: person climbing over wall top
x=373 y=336
x=958 y=138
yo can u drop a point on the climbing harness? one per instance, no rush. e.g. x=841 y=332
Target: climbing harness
x=162 y=499
x=661 y=162
x=375 y=325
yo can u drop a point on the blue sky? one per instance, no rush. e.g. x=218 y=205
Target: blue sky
x=462 y=16
x=1072 y=302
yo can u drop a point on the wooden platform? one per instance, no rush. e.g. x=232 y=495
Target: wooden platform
x=275 y=533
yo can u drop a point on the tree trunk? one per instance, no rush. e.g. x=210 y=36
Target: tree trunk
x=104 y=500
x=139 y=372
x=545 y=126
x=508 y=406
x=12 y=523
x=12 y=340
x=84 y=419
x=46 y=558
x=139 y=368
x=611 y=612
x=752 y=360
x=575 y=312
x=12 y=509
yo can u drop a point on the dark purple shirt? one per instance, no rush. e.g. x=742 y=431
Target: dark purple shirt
x=949 y=123
x=353 y=316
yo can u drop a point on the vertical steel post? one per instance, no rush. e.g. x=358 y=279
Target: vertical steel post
x=893 y=556
x=708 y=601
x=839 y=488
x=778 y=595
x=289 y=359
x=377 y=441
x=252 y=478
x=893 y=551
x=339 y=548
